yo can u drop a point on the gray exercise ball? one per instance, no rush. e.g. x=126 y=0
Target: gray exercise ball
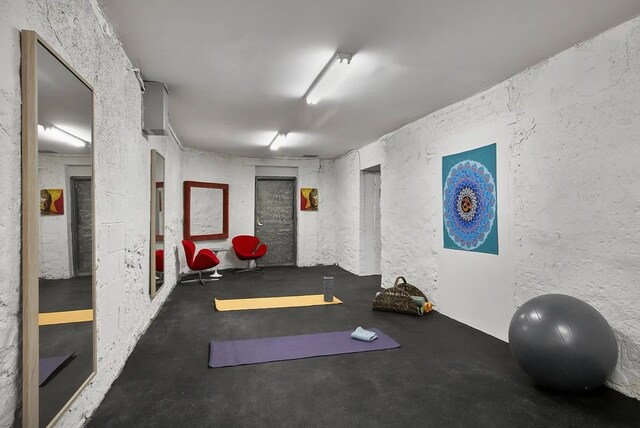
x=563 y=343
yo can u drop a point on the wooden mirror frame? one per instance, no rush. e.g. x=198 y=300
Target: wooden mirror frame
x=188 y=185
x=153 y=289
x=29 y=41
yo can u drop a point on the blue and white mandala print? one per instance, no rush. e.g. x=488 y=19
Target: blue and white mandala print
x=469 y=204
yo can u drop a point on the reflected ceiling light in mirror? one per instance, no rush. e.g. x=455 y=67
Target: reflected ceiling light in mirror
x=329 y=78
x=277 y=141
x=53 y=132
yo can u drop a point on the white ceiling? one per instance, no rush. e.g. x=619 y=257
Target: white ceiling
x=237 y=69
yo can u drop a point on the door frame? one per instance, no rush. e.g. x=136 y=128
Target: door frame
x=295 y=211
x=74 y=223
x=367 y=176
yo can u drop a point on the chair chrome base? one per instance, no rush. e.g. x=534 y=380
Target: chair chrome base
x=255 y=269
x=252 y=267
x=200 y=279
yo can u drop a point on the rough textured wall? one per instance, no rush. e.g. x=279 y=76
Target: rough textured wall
x=327 y=213
x=216 y=168
x=568 y=222
x=575 y=183
x=240 y=174
x=78 y=31
x=309 y=238
x=346 y=193
x=10 y=200
x=408 y=217
x=462 y=284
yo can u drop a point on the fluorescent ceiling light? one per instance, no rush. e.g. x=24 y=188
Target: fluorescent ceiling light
x=329 y=78
x=53 y=132
x=277 y=141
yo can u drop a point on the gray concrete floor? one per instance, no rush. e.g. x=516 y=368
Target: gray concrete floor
x=445 y=374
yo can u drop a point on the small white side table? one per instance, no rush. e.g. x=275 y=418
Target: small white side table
x=215 y=275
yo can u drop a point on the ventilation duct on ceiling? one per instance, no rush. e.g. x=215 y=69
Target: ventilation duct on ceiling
x=155 y=109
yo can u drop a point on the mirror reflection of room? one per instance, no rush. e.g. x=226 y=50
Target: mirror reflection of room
x=157 y=217
x=65 y=182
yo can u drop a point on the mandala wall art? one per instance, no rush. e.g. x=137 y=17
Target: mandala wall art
x=470 y=200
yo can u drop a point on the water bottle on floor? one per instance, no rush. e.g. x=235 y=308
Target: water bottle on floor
x=328 y=288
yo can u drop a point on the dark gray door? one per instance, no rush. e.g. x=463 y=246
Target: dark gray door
x=275 y=219
x=82 y=225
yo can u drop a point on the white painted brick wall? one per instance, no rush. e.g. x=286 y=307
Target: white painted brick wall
x=568 y=136
x=308 y=233
x=239 y=173
x=81 y=34
x=577 y=221
x=10 y=200
x=345 y=186
x=327 y=197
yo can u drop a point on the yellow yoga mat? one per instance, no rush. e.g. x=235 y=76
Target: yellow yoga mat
x=65 y=317
x=273 y=302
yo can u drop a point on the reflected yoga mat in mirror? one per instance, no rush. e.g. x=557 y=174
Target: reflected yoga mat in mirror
x=65 y=317
x=49 y=366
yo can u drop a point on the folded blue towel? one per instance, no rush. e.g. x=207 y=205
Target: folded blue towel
x=364 y=335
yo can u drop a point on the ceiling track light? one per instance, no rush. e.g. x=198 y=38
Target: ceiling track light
x=277 y=140
x=336 y=66
x=61 y=135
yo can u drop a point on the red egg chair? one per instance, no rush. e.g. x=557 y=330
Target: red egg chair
x=248 y=247
x=203 y=260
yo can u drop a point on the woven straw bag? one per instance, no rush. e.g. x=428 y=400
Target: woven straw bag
x=398 y=298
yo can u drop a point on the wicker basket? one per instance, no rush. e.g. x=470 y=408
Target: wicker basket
x=398 y=298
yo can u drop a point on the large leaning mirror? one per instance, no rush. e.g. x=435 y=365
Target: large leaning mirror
x=58 y=233
x=157 y=223
x=206 y=211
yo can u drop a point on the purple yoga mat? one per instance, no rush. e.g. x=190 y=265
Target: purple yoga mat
x=253 y=351
x=49 y=365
